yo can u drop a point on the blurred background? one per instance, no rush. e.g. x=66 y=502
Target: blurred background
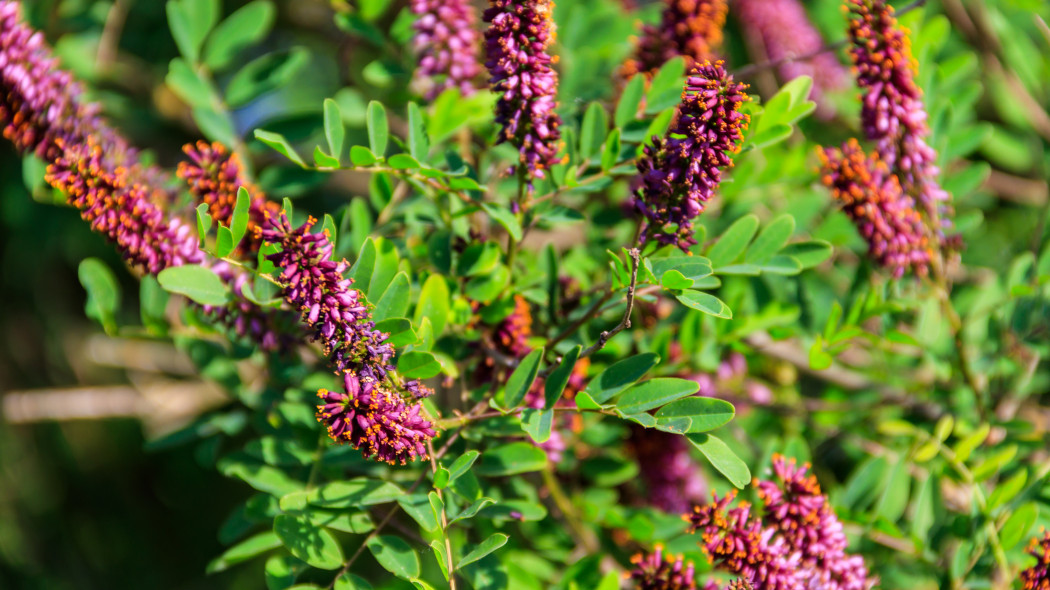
x=85 y=501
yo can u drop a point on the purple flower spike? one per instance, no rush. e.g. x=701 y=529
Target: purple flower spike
x=892 y=112
x=121 y=210
x=681 y=172
x=655 y=571
x=516 y=46
x=784 y=29
x=672 y=478
x=873 y=199
x=800 y=513
x=375 y=420
x=447 y=41
x=690 y=28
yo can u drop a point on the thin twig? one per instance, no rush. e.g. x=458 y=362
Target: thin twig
x=111 y=31
x=605 y=336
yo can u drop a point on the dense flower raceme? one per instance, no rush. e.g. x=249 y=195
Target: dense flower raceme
x=796 y=544
x=873 y=199
x=690 y=28
x=656 y=571
x=447 y=40
x=522 y=74
x=673 y=481
x=374 y=419
x=1037 y=577
x=785 y=32
x=681 y=172
x=372 y=414
x=892 y=112
x=214 y=176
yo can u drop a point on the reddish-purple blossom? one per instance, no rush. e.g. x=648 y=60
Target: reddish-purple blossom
x=884 y=215
x=447 y=41
x=690 y=28
x=656 y=571
x=892 y=112
x=1037 y=577
x=214 y=175
x=796 y=543
x=375 y=420
x=795 y=507
x=673 y=481
x=786 y=33
x=681 y=172
x=120 y=209
x=522 y=74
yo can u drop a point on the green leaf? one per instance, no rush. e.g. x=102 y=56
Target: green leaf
x=361 y=156
x=619 y=376
x=511 y=459
x=472 y=510
x=675 y=280
x=384 y=270
x=243 y=551
x=1017 y=525
x=965 y=447
x=438 y=546
x=224 y=242
x=239 y=220
x=441 y=477
x=153 y=301
x=279 y=143
x=334 y=130
x=654 y=393
x=478 y=259
x=593 y=130
x=521 y=379
x=395 y=555
x=395 y=300
x=665 y=90
x=215 y=126
x=630 y=100
x=1007 y=490
x=537 y=423
x=195 y=282
x=433 y=303
x=203 y=221
x=310 y=543
x=418 y=364
x=703 y=413
x=506 y=218
x=486 y=288
x=185 y=83
x=266 y=73
x=732 y=243
x=690 y=267
x=461 y=465
x=360 y=491
x=418 y=507
x=894 y=500
x=722 y=458
x=770 y=240
x=190 y=22
x=611 y=153
x=403 y=162
x=555 y=383
x=348 y=581
x=378 y=128
x=706 y=303
x=399 y=330
x=487 y=546
x=103 y=292
x=245 y=27
x=808 y=254
x=418 y=145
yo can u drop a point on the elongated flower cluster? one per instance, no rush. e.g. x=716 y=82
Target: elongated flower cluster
x=892 y=112
x=121 y=210
x=690 y=28
x=786 y=33
x=522 y=74
x=1037 y=577
x=375 y=420
x=873 y=199
x=673 y=481
x=512 y=334
x=800 y=513
x=214 y=176
x=681 y=172
x=656 y=571
x=372 y=414
x=447 y=41
x=796 y=544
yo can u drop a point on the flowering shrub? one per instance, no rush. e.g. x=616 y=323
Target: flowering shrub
x=659 y=295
